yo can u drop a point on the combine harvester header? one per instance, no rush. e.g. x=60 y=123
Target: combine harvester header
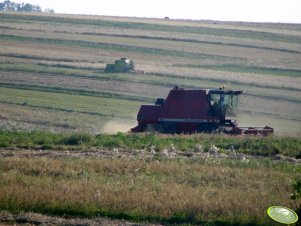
x=190 y=111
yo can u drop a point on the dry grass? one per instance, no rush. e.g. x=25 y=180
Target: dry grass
x=205 y=190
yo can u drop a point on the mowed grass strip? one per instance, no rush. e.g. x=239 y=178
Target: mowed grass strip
x=70 y=102
x=45 y=69
x=203 y=192
x=55 y=89
x=39 y=57
x=247 y=69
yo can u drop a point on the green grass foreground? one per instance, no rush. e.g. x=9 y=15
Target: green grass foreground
x=260 y=146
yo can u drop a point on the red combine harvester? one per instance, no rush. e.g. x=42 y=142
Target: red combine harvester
x=190 y=111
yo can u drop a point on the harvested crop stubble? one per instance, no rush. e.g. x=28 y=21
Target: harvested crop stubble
x=14 y=117
x=223 y=76
x=114 y=86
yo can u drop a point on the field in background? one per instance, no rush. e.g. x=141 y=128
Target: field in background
x=51 y=69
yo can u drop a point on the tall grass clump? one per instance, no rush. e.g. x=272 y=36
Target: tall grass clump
x=77 y=139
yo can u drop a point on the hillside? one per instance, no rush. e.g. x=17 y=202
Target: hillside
x=51 y=69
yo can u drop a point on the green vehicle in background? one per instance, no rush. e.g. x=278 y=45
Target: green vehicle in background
x=123 y=65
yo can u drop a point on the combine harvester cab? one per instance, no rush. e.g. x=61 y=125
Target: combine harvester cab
x=123 y=65
x=190 y=111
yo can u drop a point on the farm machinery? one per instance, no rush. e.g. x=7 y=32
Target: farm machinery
x=121 y=65
x=191 y=111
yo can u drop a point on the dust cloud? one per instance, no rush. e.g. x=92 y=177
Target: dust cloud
x=113 y=127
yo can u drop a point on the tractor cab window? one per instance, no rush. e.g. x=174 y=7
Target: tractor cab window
x=223 y=104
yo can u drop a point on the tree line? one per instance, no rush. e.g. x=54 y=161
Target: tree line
x=22 y=7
